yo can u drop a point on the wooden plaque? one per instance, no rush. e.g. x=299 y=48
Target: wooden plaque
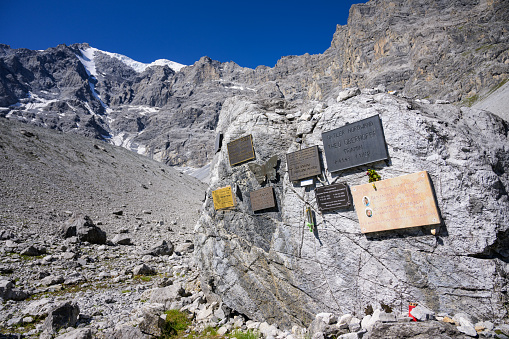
x=402 y=202
x=332 y=197
x=304 y=163
x=359 y=143
x=241 y=150
x=223 y=198
x=262 y=199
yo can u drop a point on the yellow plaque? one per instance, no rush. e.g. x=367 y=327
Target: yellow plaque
x=402 y=202
x=223 y=198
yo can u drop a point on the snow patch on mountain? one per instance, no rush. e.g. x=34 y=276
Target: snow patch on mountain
x=87 y=59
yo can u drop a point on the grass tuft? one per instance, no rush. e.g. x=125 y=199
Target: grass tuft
x=176 y=323
x=250 y=334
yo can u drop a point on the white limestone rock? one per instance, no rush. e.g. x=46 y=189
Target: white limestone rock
x=338 y=269
x=348 y=93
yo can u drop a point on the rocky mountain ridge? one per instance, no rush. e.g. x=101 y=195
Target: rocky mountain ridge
x=453 y=51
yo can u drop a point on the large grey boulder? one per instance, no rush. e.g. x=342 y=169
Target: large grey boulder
x=84 y=228
x=33 y=250
x=144 y=269
x=79 y=333
x=9 y=292
x=62 y=316
x=152 y=323
x=128 y=332
x=164 y=295
x=430 y=329
x=248 y=258
x=162 y=247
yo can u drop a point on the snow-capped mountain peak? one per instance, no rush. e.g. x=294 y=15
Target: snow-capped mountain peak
x=88 y=54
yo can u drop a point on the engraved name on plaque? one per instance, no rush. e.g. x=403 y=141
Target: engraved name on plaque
x=223 y=198
x=332 y=197
x=355 y=144
x=304 y=163
x=405 y=201
x=262 y=199
x=241 y=150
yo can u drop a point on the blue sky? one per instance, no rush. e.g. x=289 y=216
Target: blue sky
x=249 y=33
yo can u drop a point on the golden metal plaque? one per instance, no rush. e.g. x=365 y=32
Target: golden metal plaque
x=223 y=198
x=402 y=202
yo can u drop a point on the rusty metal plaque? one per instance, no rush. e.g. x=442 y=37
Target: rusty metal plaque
x=241 y=150
x=332 y=197
x=223 y=198
x=359 y=143
x=304 y=163
x=262 y=199
x=402 y=202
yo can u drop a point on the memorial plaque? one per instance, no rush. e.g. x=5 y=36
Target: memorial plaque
x=262 y=199
x=241 y=150
x=332 y=197
x=223 y=198
x=303 y=164
x=217 y=144
x=402 y=202
x=355 y=144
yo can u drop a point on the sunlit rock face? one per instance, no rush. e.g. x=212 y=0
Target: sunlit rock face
x=268 y=265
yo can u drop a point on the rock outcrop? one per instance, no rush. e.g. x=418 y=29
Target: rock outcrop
x=268 y=266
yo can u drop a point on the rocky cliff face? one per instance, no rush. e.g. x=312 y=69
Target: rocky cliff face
x=441 y=50
x=268 y=265
x=450 y=50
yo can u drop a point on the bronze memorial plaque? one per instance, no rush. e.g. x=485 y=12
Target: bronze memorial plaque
x=359 y=143
x=303 y=164
x=332 y=197
x=241 y=150
x=262 y=199
x=223 y=198
x=402 y=202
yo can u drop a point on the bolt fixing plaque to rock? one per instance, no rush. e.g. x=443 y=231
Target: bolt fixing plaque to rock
x=303 y=164
x=223 y=198
x=240 y=150
x=262 y=199
x=402 y=202
x=359 y=143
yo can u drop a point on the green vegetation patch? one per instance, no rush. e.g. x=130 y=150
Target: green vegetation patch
x=145 y=278
x=470 y=101
x=250 y=334
x=176 y=323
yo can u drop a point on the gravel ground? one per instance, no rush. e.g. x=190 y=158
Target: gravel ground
x=48 y=177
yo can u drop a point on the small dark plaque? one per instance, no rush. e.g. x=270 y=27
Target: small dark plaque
x=241 y=150
x=332 y=197
x=303 y=164
x=262 y=199
x=355 y=144
x=219 y=140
